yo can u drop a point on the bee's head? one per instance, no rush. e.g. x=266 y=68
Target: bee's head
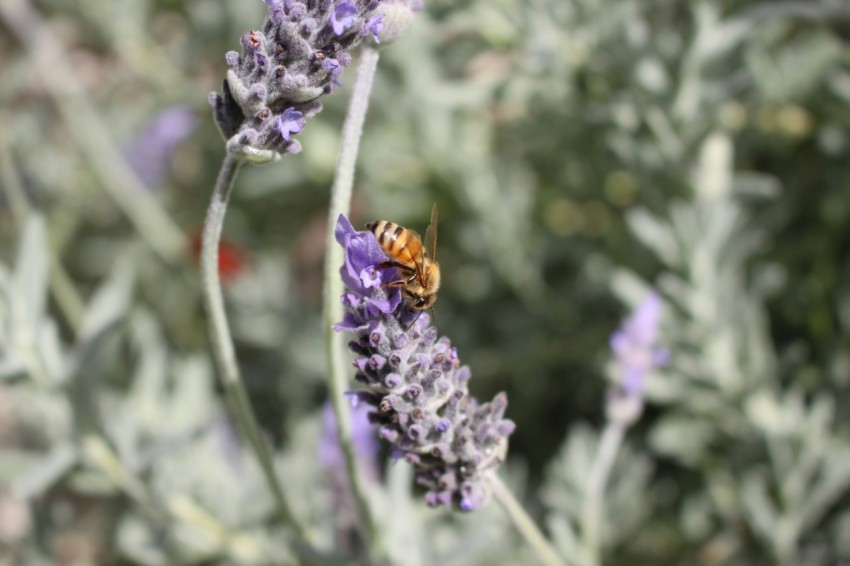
x=421 y=302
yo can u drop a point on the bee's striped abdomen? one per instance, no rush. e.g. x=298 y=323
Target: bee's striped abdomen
x=397 y=241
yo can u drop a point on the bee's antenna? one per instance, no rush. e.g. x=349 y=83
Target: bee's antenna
x=433 y=316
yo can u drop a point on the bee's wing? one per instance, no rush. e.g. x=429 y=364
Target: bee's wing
x=431 y=234
x=419 y=259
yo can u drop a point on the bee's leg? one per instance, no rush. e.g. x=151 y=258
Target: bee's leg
x=409 y=326
x=392 y=263
x=407 y=274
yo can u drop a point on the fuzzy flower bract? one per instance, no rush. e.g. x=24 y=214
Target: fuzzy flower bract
x=415 y=383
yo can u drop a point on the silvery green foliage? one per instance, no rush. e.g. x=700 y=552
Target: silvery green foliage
x=626 y=504
x=767 y=452
x=538 y=126
x=29 y=342
x=596 y=490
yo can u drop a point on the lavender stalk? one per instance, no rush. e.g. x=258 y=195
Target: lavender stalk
x=635 y=355
x=223 y=344
x=525 y=524
x=340 y=201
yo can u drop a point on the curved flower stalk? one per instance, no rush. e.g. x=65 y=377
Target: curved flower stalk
x=299 y=55
x=636 y=354
x=416 y=383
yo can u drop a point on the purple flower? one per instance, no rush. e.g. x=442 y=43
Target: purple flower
x=290 y=122
x=366 y=446
x=376 y=26
x=414 y=383
x=148 y=153
x=343 y=16
x=634 y=345
x=331 y=65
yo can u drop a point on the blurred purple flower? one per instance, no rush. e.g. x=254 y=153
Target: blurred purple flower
x=366 y=448
x=415 y=384
x=366 y=445
x=148 y=152
x=343 y=16
x=376 y=26
x=228 y=444
x=634 y=345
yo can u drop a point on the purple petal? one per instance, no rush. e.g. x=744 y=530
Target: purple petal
x=633 y=345
x=350 y=323
x=376 y=26
x=330 y=65
x=290 y=122
x=342 y=16
x=343 y=228
x=148 y=152
x=370 y=277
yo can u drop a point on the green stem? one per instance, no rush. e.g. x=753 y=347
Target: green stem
x=609 y=445
x=90 y=133
x=525 y=524
x=333 y=311
x=222 y=342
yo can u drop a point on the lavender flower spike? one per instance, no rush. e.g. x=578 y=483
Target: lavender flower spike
x=282 y=68
x=416 y=384
x=636 y=354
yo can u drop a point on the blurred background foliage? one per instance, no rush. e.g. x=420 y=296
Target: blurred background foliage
x=580 y=152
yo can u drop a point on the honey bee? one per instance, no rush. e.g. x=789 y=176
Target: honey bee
x=420 y=273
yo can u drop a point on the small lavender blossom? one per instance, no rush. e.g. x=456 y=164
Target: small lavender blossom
x=343 y=16
x=148 y=152
x=285 y=66
x=290 y=122
x=414 y=382
x=376 y=26
x=636 y=354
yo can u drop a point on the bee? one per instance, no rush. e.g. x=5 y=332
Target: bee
x=420 y=273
